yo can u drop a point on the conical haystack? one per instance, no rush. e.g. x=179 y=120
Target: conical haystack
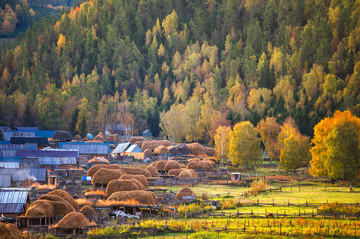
x=88 y=210
x=65 y=195
x=196 y=149
x=155 y=143
x=96 y=167
x=140 y=178
x=74 y=220
x=171 y=164
x=183 y=149
x=160 y=165
x=77 y=138
x=120 y=185
x=161 y=150
x=210 y=152
x=133 y=140
x=143 y=197
x=9 y=231
x=152 y=170
x=173 y=150
x=184 y=192
x=136 y=171
x=174 y=172
x=148 y=153
x=105 y=175
x=188 y=173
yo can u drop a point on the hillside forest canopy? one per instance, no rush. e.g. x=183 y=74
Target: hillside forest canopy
x=183 y=68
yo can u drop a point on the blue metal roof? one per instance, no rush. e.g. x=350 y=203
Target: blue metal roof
x=133 y=149
x=21 y=174
x=5 y=142
x=87 y=148
x=45 y=133
x=13 y=200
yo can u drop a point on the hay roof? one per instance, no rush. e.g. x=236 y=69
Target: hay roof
x=136 y=171
x=171 y=164
x=87 y=210
x=184 y=192
x=152 y=170
x=77 y=138
x=160 y=165
x=96 y=167
x=100 y=160
x=161 y=150
x=120 y=185
x=174 y=172
x=65 y=195
x=133 y=140
x=196 y=149
x=105 y=175
x=147 y=153
x=183 y=148
x=188 y=173
x=154 y=144
x=9 y=231
x=143 y=197
x=74 y=220
x=140 y=178
x=173 y=150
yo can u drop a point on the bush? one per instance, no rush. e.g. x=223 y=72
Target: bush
x=329 y=208
x=258 y=186
x=229 y=204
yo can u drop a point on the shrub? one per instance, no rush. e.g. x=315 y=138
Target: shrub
x=229 y=204
x=258 y=186
x=336 y=208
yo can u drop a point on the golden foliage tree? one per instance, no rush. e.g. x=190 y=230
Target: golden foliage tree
x=336 y=150
x=269 y=131
x=222 y=141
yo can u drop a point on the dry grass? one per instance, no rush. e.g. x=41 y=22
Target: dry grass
x=95 y=192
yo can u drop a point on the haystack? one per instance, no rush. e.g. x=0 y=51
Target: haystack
x=62 y=135
x=99 y=138
x=143 y=197
x=87 y=210
x=148 y=153
x=138 y=183
x=65 y=195
x=160 y=165
x=184 y=192
x=133 y=140
x=139 y=143
x=161 y=150
x=183 y=148
x=117 y=137
x=77 y=138
x=47 y=208
x=120 y=185
x=209 y=161
x=91 y=172
x=140 y=178
x=9 y=231
x=111 y=138
x=173 y=150
x=174 y=172
x=94 y=141
x=152 y=170
x=101 y=134
x=171 y=164
x=55 y=198
x=74 y=220
x=188 y=173
x=210 y=152
x=154 y=144
x=196 y=149
x=105 y=175
x=136 y=171
x=203 y=165
x=194 y=159
x=98 y=160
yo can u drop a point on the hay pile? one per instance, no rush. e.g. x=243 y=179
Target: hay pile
x=88 y=210
x=173 y=150
x=196 y=149
x=154 y=144
x=55 y=203
x=174 y=172
x=121 y=185
x=117 y=137
x=98 y=160
x=74 y=220
x=95 y=141
x=133 y=140
x=161 y=150
x=111 y=138
x=152 y=170
x=204 y=165
x=209 y=161
x=96 y=168
x=105 y=175
x=77 y=138
x=183 y=149
x=210 y=151
x=99 y=137
x=171 y=164
x=184 y=192
x=194 y=159
x=9 y=231
x=140 y=178
x=160 y=165
x=143 y=197
x=147 y=153
x=138 y=183
x=139 y=143
x=188 y=173
x=136 y=171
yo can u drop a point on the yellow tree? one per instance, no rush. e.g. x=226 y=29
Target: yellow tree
x=222 y=140
x=269 y=131
x=244 y=147
x=336 y=150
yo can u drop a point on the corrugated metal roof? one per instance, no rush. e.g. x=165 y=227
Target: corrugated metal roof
x=7 y=152
x=16 y=133
x=87 y=148
x=48 y=154
x=120 y=148
x=29 y=163
x=12 y=200
x=5 y=180
x=45 y=133
x=21 y=174
x=18 y=146
x=9 y=165
x=57 y=160
x=41 y=141
x=4 y=142
x=133 y=149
